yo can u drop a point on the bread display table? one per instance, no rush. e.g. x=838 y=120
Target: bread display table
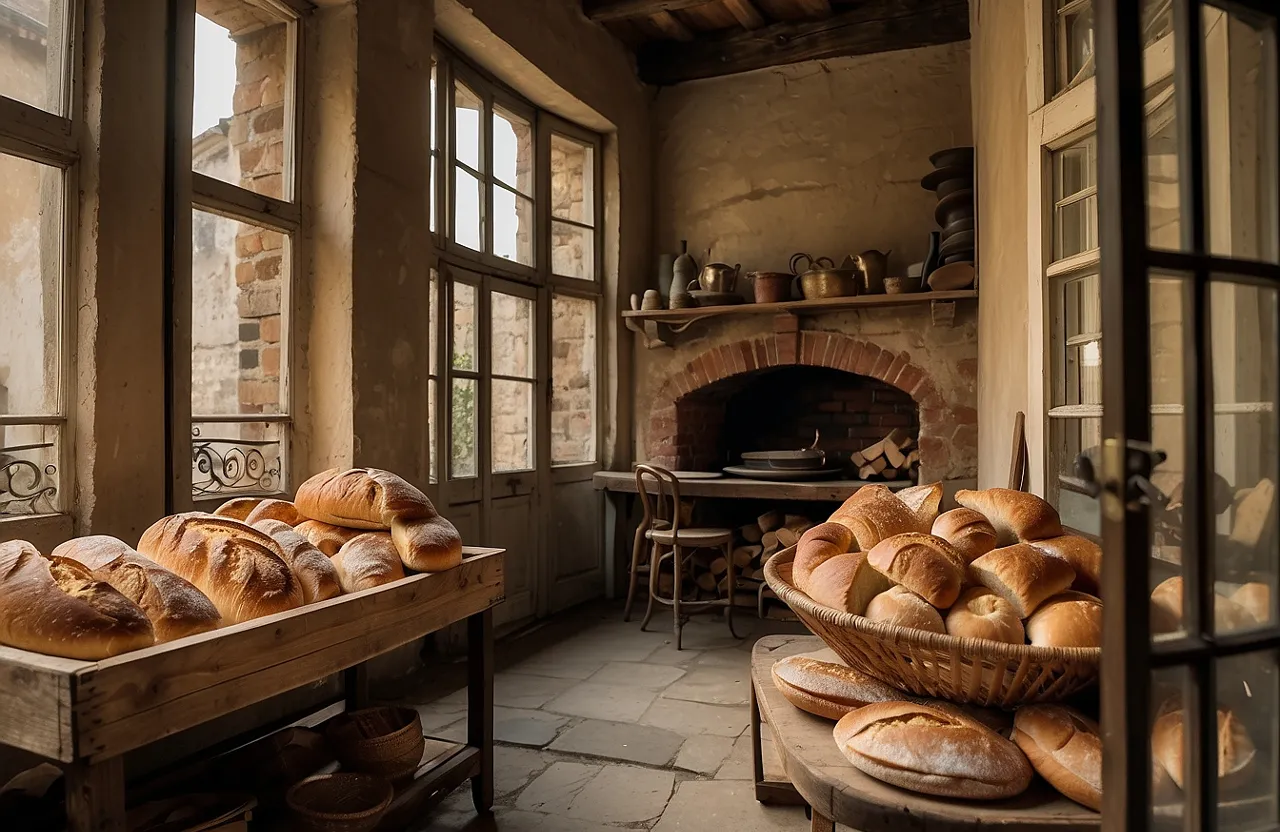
x=88 y=714
x=836 y=792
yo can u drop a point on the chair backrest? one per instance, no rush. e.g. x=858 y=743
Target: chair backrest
x=663 y=504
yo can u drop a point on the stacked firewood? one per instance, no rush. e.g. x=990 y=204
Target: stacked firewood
x=754 y=543
x=895 y=457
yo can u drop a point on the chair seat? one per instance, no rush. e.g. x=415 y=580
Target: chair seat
x=691 y=537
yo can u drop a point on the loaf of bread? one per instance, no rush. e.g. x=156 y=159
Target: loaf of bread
x=969 y=533
x=1083 y=554
x=55 y=605
x=1166 y=610
x=846 y=583
x=924 y=500
x=282 y=510
x=873 y=514
x=1236 y=751
x=1015 y=515
x=932 y=750
x=175 y=607
x=980 y=613
x=1255 y=599
x=825 y=689
x=1065 y=748
x=238 y=508
x=430 y=544
x=818 y=545
x=368 y=560
x=1022 y=575
x=326 y=537
x=903 y=608
x=924 y=564
x=1069 y=619
x=313 y=569
x=237 y=567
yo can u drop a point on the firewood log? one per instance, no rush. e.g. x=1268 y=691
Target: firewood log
x=857 y=459
x=769 y=521
x=895 y=457
x=665 y=582
x=743 y=556
x=719 y=566
x=872 y=469
x=751 y=533
x=873 y=450
x=896 y=437
x=889 y=474
x=769 y=543
x=707 y=581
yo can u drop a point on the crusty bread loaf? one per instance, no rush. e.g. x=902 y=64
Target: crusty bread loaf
x=1065 y=748
x=846 y=583
x=1255 y=599
x=429 y=544
x=1022 y=575
x=928 y=566
x=924 y=500
x=980 y=613
x=55 y=605
x=967 y=531
x=326 y=537
x=873 y=514
x=1083 y=554
x=901 y=607
x=1166 y=610
x=368 y=560
x=361 y=498
x=282 y=510
x=239 y=568
x=828 y=690
x=315 y=572
x=175 y=607
x=238 y=508
x=1236 y=751
x=818 y=545
x=932 y=750
x=1015 y=515
x=1069 y=619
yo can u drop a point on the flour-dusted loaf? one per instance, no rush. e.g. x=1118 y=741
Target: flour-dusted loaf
x=1083 y=554
x=368 y=560
x=873 y=514
x=239 y=568
x=1166 y=610
x=314 y=570
x=238 y=508
x=1236 y=751
x=971 y=534
x=901 y=607
x=1016 y=515
x=980 y=613
x=1255 y=599
x=1065 y=748
x=928 y=566
x=932 y=750
x=1022 y=575
x=55 y=605
x=326 y=537
x=430 y=544
x=175 y=607
x=817 y=546
x=1069 y=619
x=846 y=583
x=924 y=500
x=282 y=510
x=826 y=689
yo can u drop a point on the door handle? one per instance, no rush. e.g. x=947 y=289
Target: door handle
x=1139 y=460
x=513 y=484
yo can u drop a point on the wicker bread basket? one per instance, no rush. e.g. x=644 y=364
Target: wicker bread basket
x=386 y=741
x=339 y=802
x=964 y=670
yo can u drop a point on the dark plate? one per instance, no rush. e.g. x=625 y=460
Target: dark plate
x=960 y=241
x=951 y=173
x=963 y=224
x=782 y=476
x=946 y=189
x=958 y=257
x=952 y=156
x=957 y=206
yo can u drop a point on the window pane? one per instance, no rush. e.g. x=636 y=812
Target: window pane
x=1247 y=702
x=572 y=180
x=1168 y=687
x=31 y=238
x=1164 y=213
x=1069 y=438
x=435 y=189
x=1170 y=297
x=462 y=427
x=237 y=458
x=1075 y=39
x=512 y=226
x=513 y=157
x=433 y=323
x=513 y=335
x=467 y=108
x=239 y=289
x=431 y=430
x=464 y=327
x=573 y=379
x=467 y=227
x=1075 y=216
x=29 y=477
x=572 y=251
x=241 y=102
x=512 y=422
x=434 y=105
x=32 y=45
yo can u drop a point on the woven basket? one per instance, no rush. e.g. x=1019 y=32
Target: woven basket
x=963 y=670
x=386 y=741
x=339 y=802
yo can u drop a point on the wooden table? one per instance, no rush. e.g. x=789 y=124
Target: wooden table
x=836 y=792
x=829 y=491
x=88 y=714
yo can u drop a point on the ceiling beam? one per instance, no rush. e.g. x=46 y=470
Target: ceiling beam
x=745 y=12
x=671 y=27
x=604 y=10
x=815 y=8
x=873 y=26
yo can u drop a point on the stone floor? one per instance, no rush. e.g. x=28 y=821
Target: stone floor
x=602 y=727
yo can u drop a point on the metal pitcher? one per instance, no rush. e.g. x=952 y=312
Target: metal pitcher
x=872 y=266
x=718 y=277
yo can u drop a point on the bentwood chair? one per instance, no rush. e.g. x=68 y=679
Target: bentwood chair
x=670 y=543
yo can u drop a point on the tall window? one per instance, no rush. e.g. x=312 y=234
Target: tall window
x=37 y=165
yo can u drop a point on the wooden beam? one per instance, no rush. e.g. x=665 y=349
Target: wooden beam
x=603 y=10
x=874 y=26
x=745 y=12
x=815 y=8
x=671 y=27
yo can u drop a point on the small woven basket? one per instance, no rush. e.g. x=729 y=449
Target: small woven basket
x=339 y=802
x=386 y=741
x=964 y=670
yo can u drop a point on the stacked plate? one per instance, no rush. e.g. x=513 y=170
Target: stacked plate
x=952 y=180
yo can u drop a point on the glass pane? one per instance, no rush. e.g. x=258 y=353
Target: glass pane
x=572 y=251
x=29 y=478
x=240 y=108
x=1168 y=688
x=1075 y=39
x=462 y=429
x=433 y=323
x=573 y=379
x=513 y=158
x=239 y=289
x=464 y=327
x=512 y=334
x=572 y=180
x=1247 y=710
x=236 y=458
x=434 y=103
x=467 y=227
x=1082 y=341
x=431 y=430
x=434 y=188
x=1075 y=216
x=1070 y=438
x=1170 y=298
x=512 y=226
x=31 y=52
x=467 y=109
x=31 y=239
x=512 y=425
x=1164 y=217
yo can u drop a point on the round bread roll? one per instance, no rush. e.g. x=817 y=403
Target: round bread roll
x=1254 y=598
x=1166 y=610
x=825 y=689
x=55 y=605
x=316 y=573
x=325 y=536
x=1069 y=619
x=966 y=530
x=1085 y=558
x=928 y=566
x=902 y=607
x=368 y=560
x=846 y=583
x=1022 y=575
x=924 y=500
x=1235 y=748
x=1065 y=748
x=816 y=546
x=980 y=613
x=174 y=606
x=932 y=750
x=874 y=514
x=282 y=510
x=238 y=508
x=1015 y=515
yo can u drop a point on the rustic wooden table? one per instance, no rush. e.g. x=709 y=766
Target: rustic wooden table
x=88 y=714
x=836 y=792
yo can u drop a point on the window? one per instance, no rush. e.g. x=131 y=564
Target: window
x=244 y=231
x=1073 y=37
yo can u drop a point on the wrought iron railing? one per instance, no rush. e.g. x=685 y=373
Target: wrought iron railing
x=28 y=482
x=234 y=466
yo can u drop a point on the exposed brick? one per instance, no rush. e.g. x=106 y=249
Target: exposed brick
x=249 y=331
x=962 y=415
x=901 y=360
x=246 y=97
x=270 y=185
x=244 y=273
x=761 y=350
x=785 y=322
x=964 y=438
x=882 y=365
x=258 y=300
x=271 y=360
x=830 y=407
x=267 y=267
x=908 y=378
x=270 y=328
x=787 y=350
x=248 y=244
x=967 y=368
x=251 y=156
x=867 y=360
x=842 y=353
x=259 y=392
x=248 y=359
x=271 y=240
x=856 y=348
x=748 y=355
x=895 y=420
x=771 y=346
x=268 y=120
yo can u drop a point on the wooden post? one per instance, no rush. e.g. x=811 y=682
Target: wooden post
x=819 y=823
x=95 y=796
x=480 y=705
x=355 y=686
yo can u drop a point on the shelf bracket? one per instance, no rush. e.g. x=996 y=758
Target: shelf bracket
x=658 y=334
x=944 y=312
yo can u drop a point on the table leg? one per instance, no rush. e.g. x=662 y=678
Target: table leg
x=355 y=686
x=95 y=796
x=820 y=824
x=480 y=705
x=757 y=756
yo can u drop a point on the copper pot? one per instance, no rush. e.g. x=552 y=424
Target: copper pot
x=822 y=279
x=771 y=287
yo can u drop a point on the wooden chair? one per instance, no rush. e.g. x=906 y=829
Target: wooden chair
x=661 y=526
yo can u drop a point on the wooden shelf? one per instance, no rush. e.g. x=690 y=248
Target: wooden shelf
x=799 y=307
x=836 y=491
